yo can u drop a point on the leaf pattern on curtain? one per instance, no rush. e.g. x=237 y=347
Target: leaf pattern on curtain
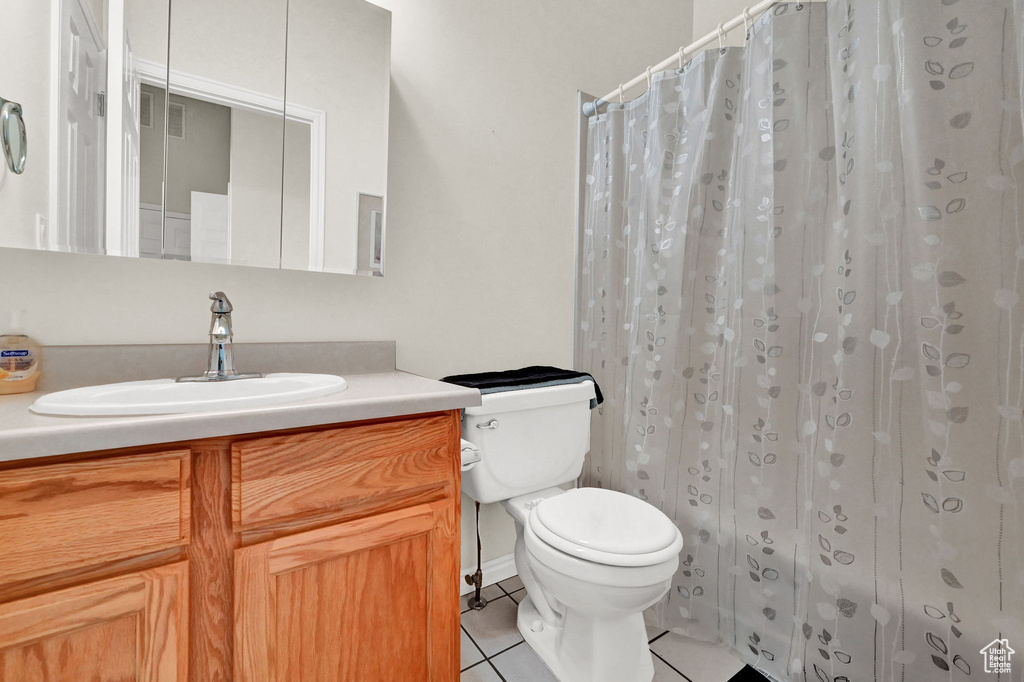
x=800 y=291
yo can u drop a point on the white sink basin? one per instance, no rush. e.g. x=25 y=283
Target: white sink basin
x=166 y=396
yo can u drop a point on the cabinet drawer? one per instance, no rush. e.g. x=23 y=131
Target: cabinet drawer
x=362 y=467
x=58 y=517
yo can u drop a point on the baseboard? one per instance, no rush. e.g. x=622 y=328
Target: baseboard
x=494 y=570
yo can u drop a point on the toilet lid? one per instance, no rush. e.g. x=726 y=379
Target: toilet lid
x=603 y=522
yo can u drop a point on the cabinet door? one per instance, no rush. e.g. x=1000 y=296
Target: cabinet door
x=59 y=517
x=374 y=599
x=132 y=627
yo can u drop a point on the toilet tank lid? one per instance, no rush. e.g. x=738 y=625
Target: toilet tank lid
x=606 y=521
x=531 y=398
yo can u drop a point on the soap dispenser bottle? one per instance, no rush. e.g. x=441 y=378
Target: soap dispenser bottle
x=19 y=359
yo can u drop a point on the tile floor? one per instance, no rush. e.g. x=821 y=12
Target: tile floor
x=494 y=651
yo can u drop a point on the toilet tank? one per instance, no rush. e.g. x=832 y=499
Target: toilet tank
x=529 y=440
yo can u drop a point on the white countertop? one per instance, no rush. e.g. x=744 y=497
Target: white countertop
x=24 y=434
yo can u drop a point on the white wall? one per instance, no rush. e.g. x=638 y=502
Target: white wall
x=146 y=21
x=151 y=152
x=354 y=96
x=199 y=163
x=481 y=188
x=240 y=42
x=256 y=143
x=708 y=14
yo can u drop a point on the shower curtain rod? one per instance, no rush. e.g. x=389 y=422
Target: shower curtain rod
x=748 y=15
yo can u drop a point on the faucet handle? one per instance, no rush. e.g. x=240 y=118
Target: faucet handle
x=221 y=304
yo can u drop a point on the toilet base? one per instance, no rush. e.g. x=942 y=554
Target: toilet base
x=543 y=642
x=547 y=641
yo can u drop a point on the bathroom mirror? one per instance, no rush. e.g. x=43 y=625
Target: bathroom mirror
x=242 y=132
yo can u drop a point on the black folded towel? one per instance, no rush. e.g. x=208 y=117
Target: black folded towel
x=527 y=377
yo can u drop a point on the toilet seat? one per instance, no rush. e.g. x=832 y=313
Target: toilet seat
x=583 y=571
x=605 y=527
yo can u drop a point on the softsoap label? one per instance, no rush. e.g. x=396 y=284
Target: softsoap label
x=16 y=365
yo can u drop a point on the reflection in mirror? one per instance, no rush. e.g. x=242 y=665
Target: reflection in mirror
x=225 y=131
x=339 y=65
x=81 y=128
x=187 y=147
x=371 y=235
x=77 y=79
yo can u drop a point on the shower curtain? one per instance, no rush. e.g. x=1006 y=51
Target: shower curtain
x=800 y=289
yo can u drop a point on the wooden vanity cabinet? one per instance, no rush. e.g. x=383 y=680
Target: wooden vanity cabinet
x=361 y=600
x=349 y=564
x=321 y=554
x=130 y=627
x=74 y=602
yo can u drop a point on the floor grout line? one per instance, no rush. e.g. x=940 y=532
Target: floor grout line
x=501 y=587
x=681 y=674
x=485 y=663
x=476 y=665
x=477 y=648
x=496 y=671
x=486 y=658
x=506 y=649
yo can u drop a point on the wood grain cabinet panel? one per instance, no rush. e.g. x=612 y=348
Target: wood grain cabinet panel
x=57 y=517
x=132 y=627
x=371 y=600
x=326 y=555
x=363 y=467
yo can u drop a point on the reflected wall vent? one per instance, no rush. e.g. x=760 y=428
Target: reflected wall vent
x=146 y=110
x=176 y=120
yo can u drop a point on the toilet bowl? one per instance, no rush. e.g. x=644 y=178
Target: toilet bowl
x=591 y=559
x=591 y=564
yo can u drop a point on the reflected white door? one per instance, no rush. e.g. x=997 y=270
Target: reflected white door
x=211 y=227
x=81 y=134
x=131 y=88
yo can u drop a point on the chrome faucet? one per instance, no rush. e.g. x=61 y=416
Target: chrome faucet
x=222 y=359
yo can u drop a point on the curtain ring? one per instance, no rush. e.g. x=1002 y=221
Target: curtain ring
x=681 y=54
x=721 y=37
x=746 y=21
x=621 y=93
x=648 y=72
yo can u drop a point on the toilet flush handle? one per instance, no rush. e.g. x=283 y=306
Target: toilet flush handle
x=492 y=424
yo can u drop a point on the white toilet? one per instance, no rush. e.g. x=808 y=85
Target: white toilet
x=591 y=559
